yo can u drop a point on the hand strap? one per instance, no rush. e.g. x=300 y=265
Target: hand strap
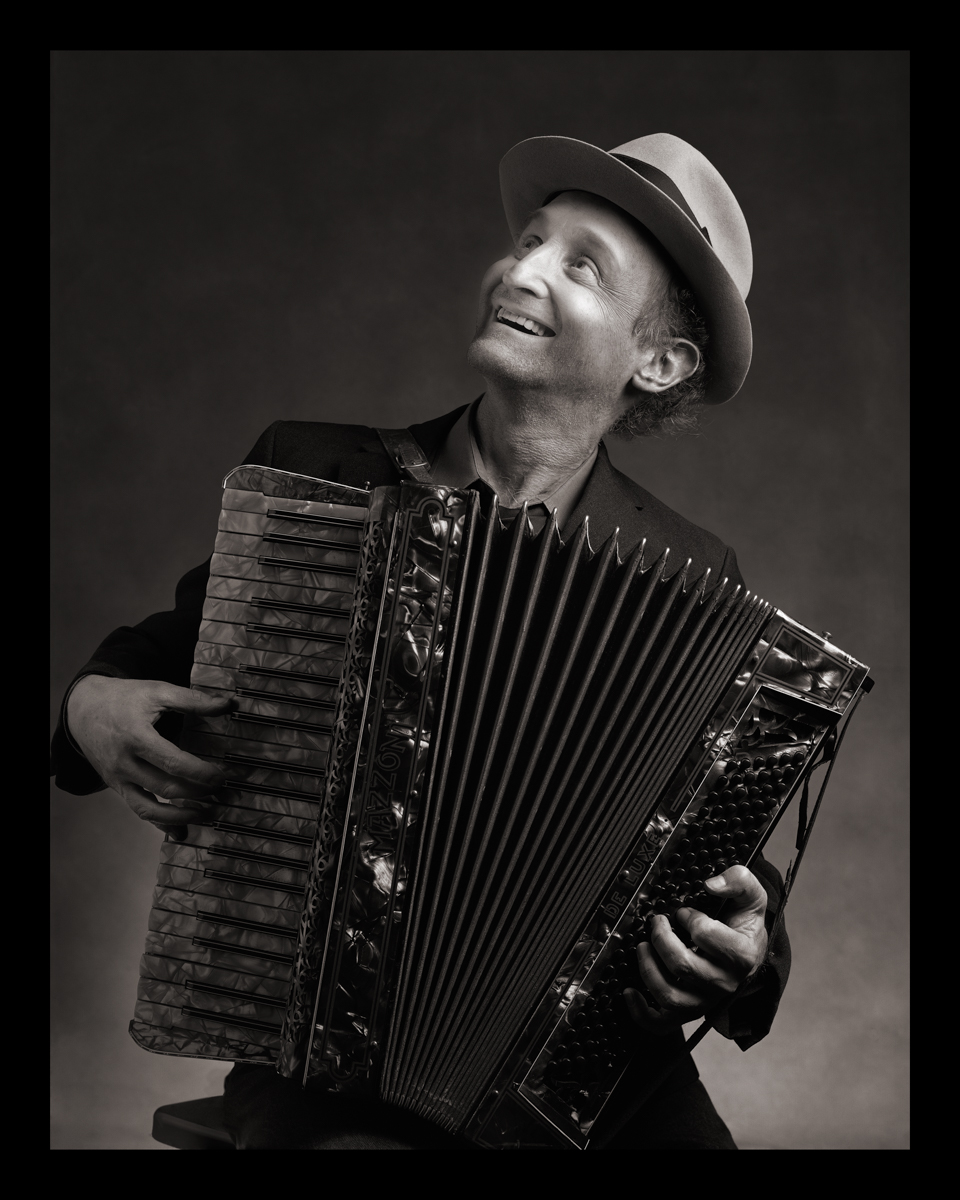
x=410 y=460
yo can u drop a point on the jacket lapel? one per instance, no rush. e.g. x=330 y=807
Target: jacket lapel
x=431 y=435
x=608 y=505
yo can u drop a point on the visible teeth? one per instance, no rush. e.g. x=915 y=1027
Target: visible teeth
x=504 y=314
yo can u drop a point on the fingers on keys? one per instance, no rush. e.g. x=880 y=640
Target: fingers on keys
x=722 y=958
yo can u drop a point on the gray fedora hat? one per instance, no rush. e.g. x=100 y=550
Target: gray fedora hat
x=679 y=195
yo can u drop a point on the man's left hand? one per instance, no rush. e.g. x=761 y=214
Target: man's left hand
x=687 y=982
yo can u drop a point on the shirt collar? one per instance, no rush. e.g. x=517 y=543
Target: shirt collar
x=458 y=463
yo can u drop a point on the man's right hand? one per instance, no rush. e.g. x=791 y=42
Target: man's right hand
x=112 y=721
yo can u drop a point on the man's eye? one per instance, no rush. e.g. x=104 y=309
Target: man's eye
x=584 y=264
x=528 y=242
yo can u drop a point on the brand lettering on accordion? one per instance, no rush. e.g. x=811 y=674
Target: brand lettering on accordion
x=468 y=763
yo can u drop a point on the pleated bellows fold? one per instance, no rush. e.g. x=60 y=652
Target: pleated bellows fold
x=575 y=678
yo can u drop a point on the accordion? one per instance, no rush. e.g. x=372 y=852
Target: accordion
x=466 y=763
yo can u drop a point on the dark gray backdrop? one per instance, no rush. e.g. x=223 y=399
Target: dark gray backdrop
x=246 y=236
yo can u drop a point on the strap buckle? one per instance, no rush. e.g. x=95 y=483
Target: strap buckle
x=403 y=448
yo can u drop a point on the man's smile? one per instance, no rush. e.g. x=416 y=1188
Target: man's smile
x=525 y=324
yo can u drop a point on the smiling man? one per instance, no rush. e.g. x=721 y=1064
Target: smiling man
x=568 y=343
x=620 y=308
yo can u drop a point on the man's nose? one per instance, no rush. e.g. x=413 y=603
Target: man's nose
x=529 y=274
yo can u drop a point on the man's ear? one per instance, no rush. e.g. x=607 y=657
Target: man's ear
x=660 y=369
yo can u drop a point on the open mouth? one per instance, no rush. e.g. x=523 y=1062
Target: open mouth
x=524 y=324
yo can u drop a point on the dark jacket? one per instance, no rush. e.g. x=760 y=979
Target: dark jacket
x=161 y=647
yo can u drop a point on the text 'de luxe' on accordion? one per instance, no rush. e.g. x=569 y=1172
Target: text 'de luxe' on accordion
x=467 y=762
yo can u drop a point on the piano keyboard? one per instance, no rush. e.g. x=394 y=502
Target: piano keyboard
x=218 y=963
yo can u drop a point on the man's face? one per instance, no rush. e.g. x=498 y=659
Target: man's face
x=558 y=316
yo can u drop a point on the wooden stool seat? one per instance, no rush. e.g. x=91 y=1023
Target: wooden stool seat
x=193 y=1125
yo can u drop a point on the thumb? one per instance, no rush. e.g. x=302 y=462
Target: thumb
x=739 y=887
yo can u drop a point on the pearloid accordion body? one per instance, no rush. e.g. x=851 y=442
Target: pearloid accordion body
x=467 y=762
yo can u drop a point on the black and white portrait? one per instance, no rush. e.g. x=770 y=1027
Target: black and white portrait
x=514 y=394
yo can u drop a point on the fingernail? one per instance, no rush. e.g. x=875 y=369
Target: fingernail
x=717 y=882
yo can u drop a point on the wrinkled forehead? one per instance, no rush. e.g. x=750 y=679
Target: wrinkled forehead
x=593 y=217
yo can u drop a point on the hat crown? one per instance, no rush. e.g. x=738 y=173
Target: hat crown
x=708 y=196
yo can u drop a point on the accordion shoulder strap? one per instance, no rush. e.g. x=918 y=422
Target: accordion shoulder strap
x=403 y=448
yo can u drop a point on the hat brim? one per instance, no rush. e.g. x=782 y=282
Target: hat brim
x=540 y=167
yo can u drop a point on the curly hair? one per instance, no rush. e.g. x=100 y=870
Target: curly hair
x=672 y=314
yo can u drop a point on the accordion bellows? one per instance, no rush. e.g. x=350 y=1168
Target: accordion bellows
x=466 y=763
